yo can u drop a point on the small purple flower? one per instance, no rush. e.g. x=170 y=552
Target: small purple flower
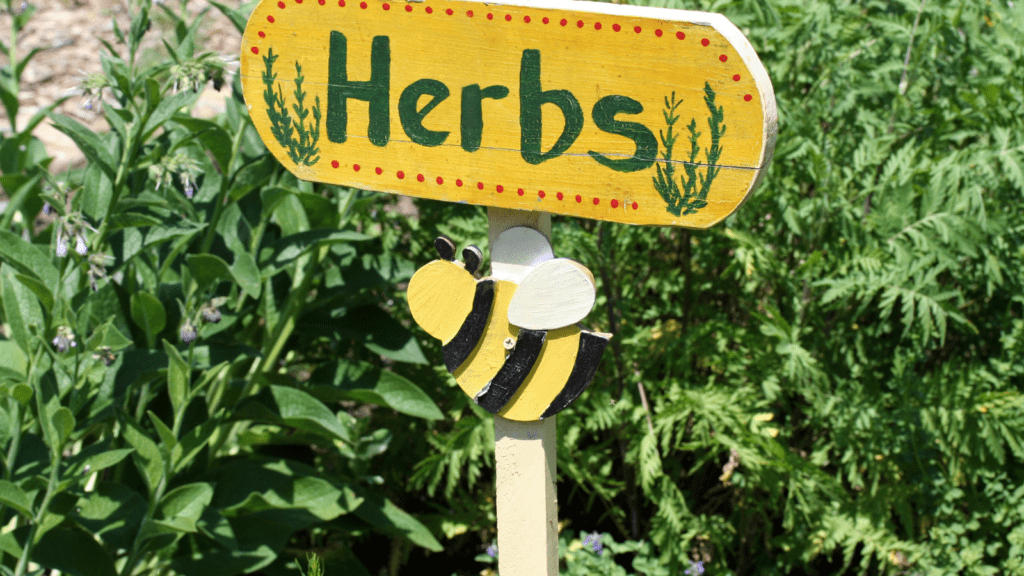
x=62 y=244
x=598 y=548
x=47 y=209
x=210 y=313
x=64 y=340
x=190 y=186
x=695 y=568
x=88 y=104
x=492 y=550
x=188 y=332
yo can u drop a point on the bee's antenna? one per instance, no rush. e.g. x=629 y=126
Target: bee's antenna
x=445 y=247
x=473 y=257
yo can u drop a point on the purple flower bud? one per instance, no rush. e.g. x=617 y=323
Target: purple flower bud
x=598 y=548
x=47 y=209
x=64 y=340
x=88 y=104
x=492 y=550
x=695 y=568
x=187 y=333
x=190 y=187
x=80 y=246
x=62 y=244
x=210 y=313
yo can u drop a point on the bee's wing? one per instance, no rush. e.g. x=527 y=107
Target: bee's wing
x=553 y=294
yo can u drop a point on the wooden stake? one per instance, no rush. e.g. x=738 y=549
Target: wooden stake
x=524 y=452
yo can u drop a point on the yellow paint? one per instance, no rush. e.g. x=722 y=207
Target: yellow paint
x=548 y=376
x=441 y=297
x=591 y=63
x=488 y=357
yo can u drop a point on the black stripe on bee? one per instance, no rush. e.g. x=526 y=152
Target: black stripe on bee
x=462 y=345
x=587 y=357
x=513 y=372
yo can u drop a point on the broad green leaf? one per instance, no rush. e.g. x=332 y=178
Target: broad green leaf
x=14 y=497
x=186 y=502
x=191 y=443
x=207 y=269
x=383 y=515
x=287 y=249
x=247 y=274
x=107 y=336
x=21 y=309
x=88 y=142
x=28 y=259
x=167 y=108
x=63 y=424
x=96 y=460
x=296 y=408
x=214 y=562
x=38 y=288
x=148 y=314
x=147 y=454
x=213 y=137
x=73 y=551
x=363 y=382
x=167 y=439
x=12 y=357
x=178 y=374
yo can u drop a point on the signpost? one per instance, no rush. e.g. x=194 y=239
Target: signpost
x=636 y=115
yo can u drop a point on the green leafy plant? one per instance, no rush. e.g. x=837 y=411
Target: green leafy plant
x=302 y=148
x=698 y=177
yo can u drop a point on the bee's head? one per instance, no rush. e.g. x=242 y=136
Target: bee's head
x=441 y=293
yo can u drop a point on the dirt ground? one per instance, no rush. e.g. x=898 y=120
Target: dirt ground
x=69 y=32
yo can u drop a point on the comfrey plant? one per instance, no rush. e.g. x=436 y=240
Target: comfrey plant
x=170 y=401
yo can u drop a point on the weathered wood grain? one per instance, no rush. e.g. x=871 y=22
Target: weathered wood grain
x=551 y=106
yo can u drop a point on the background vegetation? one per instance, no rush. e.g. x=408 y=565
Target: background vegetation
x=207 y=367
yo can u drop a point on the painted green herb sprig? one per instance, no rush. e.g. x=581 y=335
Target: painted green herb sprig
x=696 y=182
x=302 y=149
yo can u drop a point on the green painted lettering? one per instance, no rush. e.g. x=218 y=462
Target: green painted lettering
x=473 y=114
x=375 y=91
x=646 y=145
x=531 y=98
x=412 y=119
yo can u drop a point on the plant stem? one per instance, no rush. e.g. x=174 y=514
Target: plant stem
x=51 y=486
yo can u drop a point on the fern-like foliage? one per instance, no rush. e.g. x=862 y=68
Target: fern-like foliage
x=297 y=136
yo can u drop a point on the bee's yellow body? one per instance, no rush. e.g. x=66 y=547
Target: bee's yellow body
x=543 y=373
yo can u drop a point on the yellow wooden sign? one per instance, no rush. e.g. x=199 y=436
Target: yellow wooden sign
x=603 y=111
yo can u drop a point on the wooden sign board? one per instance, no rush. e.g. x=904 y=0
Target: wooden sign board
x=603 y=111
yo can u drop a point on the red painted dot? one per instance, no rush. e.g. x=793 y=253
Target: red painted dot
x=386 y=6
x=657 y=33
x=579 y=23
x=270 y=19
x=322 y=2
x=490 y=16
x=379 y=171
x=458 y=183
x=526 y=19
x=420 y=177
x=499 y=188
x=564 y=22
x=748 y=98
x=440 y=180
x=597 y=25
x=334 y=163
x=616 y=27
x=545 y=20
x=615 y=203
x=508 y=17
x=362 y=5
x=408 y=7
x=255 y=50
x=280 y=5
x=479 y=185
x=637 y=29
x=559 y=196
x=469 y=13
x=579 y=198
x=262 y=34
x=736 y=77
x=521 y=191
x=597 y=201
x=400 y=174
x=705 y=42
x=680 y=36
x=429 y=10
x=635 y=205
x=449 y=12
x=355 y=167
x=723 y=57
x=298 y=1
x=540 y=193
x=341 y=3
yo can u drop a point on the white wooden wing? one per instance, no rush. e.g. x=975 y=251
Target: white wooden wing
x=553 y=294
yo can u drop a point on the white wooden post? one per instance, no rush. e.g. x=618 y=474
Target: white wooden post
x=524 y=453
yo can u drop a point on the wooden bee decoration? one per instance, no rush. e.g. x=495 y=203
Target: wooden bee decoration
x=516 y=349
